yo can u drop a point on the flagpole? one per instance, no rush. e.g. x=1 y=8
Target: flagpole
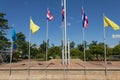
x=105 y=52
x=105 y=63
x=29 y=52
x=84 y=53
x=46 y=44
x=63 y=50
x=65 y=33
x=68 y=52
x=11 y=57
x=63 y=47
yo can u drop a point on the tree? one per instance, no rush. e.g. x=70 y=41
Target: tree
x=89 y=56
x=100 y=51
x=4 y=42
x=72 y=45
x=93 y=48
x=94 y=43
x=109 y=52
x=116 y=50
x=43 y=47
x=20 y=37
x=3 y=23
x=80 y=47
x=41 y=51
x=55 y=52
x=97 y=49
x=34 y=51
x=75 y=53
x=22 y=44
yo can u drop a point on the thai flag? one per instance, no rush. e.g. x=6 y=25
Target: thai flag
x=63 y=11
x=49 y=16
x=84 y=19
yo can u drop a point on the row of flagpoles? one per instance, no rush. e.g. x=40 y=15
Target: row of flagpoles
x=107 y=22
x=34 y=28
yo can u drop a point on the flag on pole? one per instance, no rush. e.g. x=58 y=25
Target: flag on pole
x=108 y=22
x=84 y=19
x=49 y=16
x=14 y=37
x=63 y=10
x=33 y=27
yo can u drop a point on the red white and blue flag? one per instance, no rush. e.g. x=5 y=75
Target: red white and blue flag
x=63 y=11
x=84 y=19
x=49 y=16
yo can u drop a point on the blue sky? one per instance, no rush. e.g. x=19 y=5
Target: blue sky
x=19 y=12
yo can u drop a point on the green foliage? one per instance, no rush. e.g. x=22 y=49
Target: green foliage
x=40 y=56
x=22 y=44
x=54 y=52
x=43 y=47
x=3 y=23
x=20 y=37
x=116 y=50
x=16 y=56
x=89 y=56
x=97 y=49
x=34 y=51
x=4 y=42
x=80 y=47
x=76 y=54
x=72 y=45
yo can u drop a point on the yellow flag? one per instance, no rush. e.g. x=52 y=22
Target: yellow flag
x=33 y=27
x=108 y=22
